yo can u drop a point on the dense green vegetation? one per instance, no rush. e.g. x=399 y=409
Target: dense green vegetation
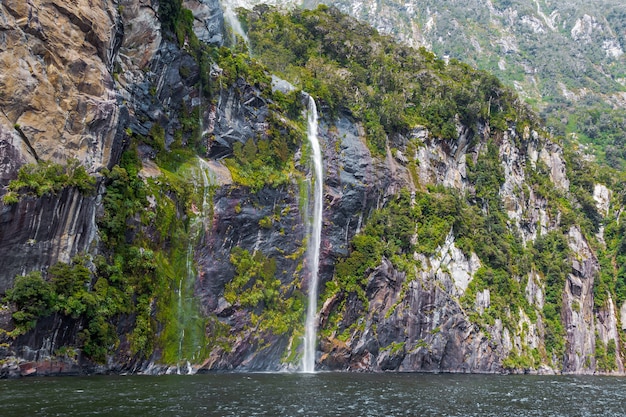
x=592 y=122
x=256 y=287
x=32 y=296
x=569 y=79
x=48 y=178
x=420 y=223
x=266 y=161
x=135 y=279
x=390 y=87
x=69 y=291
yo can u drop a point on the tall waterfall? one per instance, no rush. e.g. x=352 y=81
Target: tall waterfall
x=313 y=252
x=235 y=25
x=188 y=325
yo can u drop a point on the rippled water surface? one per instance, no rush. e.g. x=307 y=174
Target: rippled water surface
x=322 y=394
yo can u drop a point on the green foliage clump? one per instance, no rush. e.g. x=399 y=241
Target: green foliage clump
x=594 y=123
x=239 y=66
x=521 y=360
x=70 y=285
x=265 y=161
x=68 y=291
x=177 y=20
x=32 y=296
x=125 y=196
x=126 y=280
x=277 y=308
x=483 y=228
x=49 y=178
x=395 y=347
x=606 y=356
x=582 y=175
x=550 y=256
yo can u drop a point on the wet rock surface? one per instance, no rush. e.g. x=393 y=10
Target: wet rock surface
x=38 y=232
x=74 y=78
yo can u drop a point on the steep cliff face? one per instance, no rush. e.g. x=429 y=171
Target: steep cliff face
x=271 y=224
x=423 y=320
x=38 y=232
x=58 y=101
x=58 y=95
x=464 y=249
x=77 y=80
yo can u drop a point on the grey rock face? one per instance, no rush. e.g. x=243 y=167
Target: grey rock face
x=38 y=232
x=150 y=89
x=12 y=155
x=420 y=327
x=122 y=75
x=208 y=22
x=354 y=181
x=240 y=115
x=55 y=72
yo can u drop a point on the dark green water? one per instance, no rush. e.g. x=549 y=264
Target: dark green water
x=323 y=394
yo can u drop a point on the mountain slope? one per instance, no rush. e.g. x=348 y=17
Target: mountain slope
x=476 y=244
x=566 y=58
x=457 y=235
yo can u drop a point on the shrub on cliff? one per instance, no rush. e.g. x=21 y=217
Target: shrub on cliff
x=32 y=296
x=49 y=178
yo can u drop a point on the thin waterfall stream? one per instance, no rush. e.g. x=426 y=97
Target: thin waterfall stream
x=189 y=329
x=313 y=250
x=235 y=25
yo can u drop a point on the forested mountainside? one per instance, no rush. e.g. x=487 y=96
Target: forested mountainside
x=566 y=58
x=157 y=194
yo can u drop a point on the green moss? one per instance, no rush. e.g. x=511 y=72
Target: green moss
x=256 y=287
x=268 y=160
x=266 y=222
x=395 y=347
x=49 y=178
x=11 y=197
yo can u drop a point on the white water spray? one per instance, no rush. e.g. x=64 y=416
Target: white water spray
x=313 y=252
x=235 y=25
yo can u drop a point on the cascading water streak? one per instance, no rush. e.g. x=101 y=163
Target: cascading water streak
x=235 y=25
x=315 y=235
x=189 y=335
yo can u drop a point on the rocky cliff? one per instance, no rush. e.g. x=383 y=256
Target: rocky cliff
x=452 y=241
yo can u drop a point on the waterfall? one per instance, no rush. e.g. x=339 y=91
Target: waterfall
x=235 y=25
x=190 y=329
x=313 y=251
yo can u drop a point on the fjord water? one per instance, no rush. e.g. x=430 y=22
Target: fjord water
x=315 y=236
x=319 y=394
